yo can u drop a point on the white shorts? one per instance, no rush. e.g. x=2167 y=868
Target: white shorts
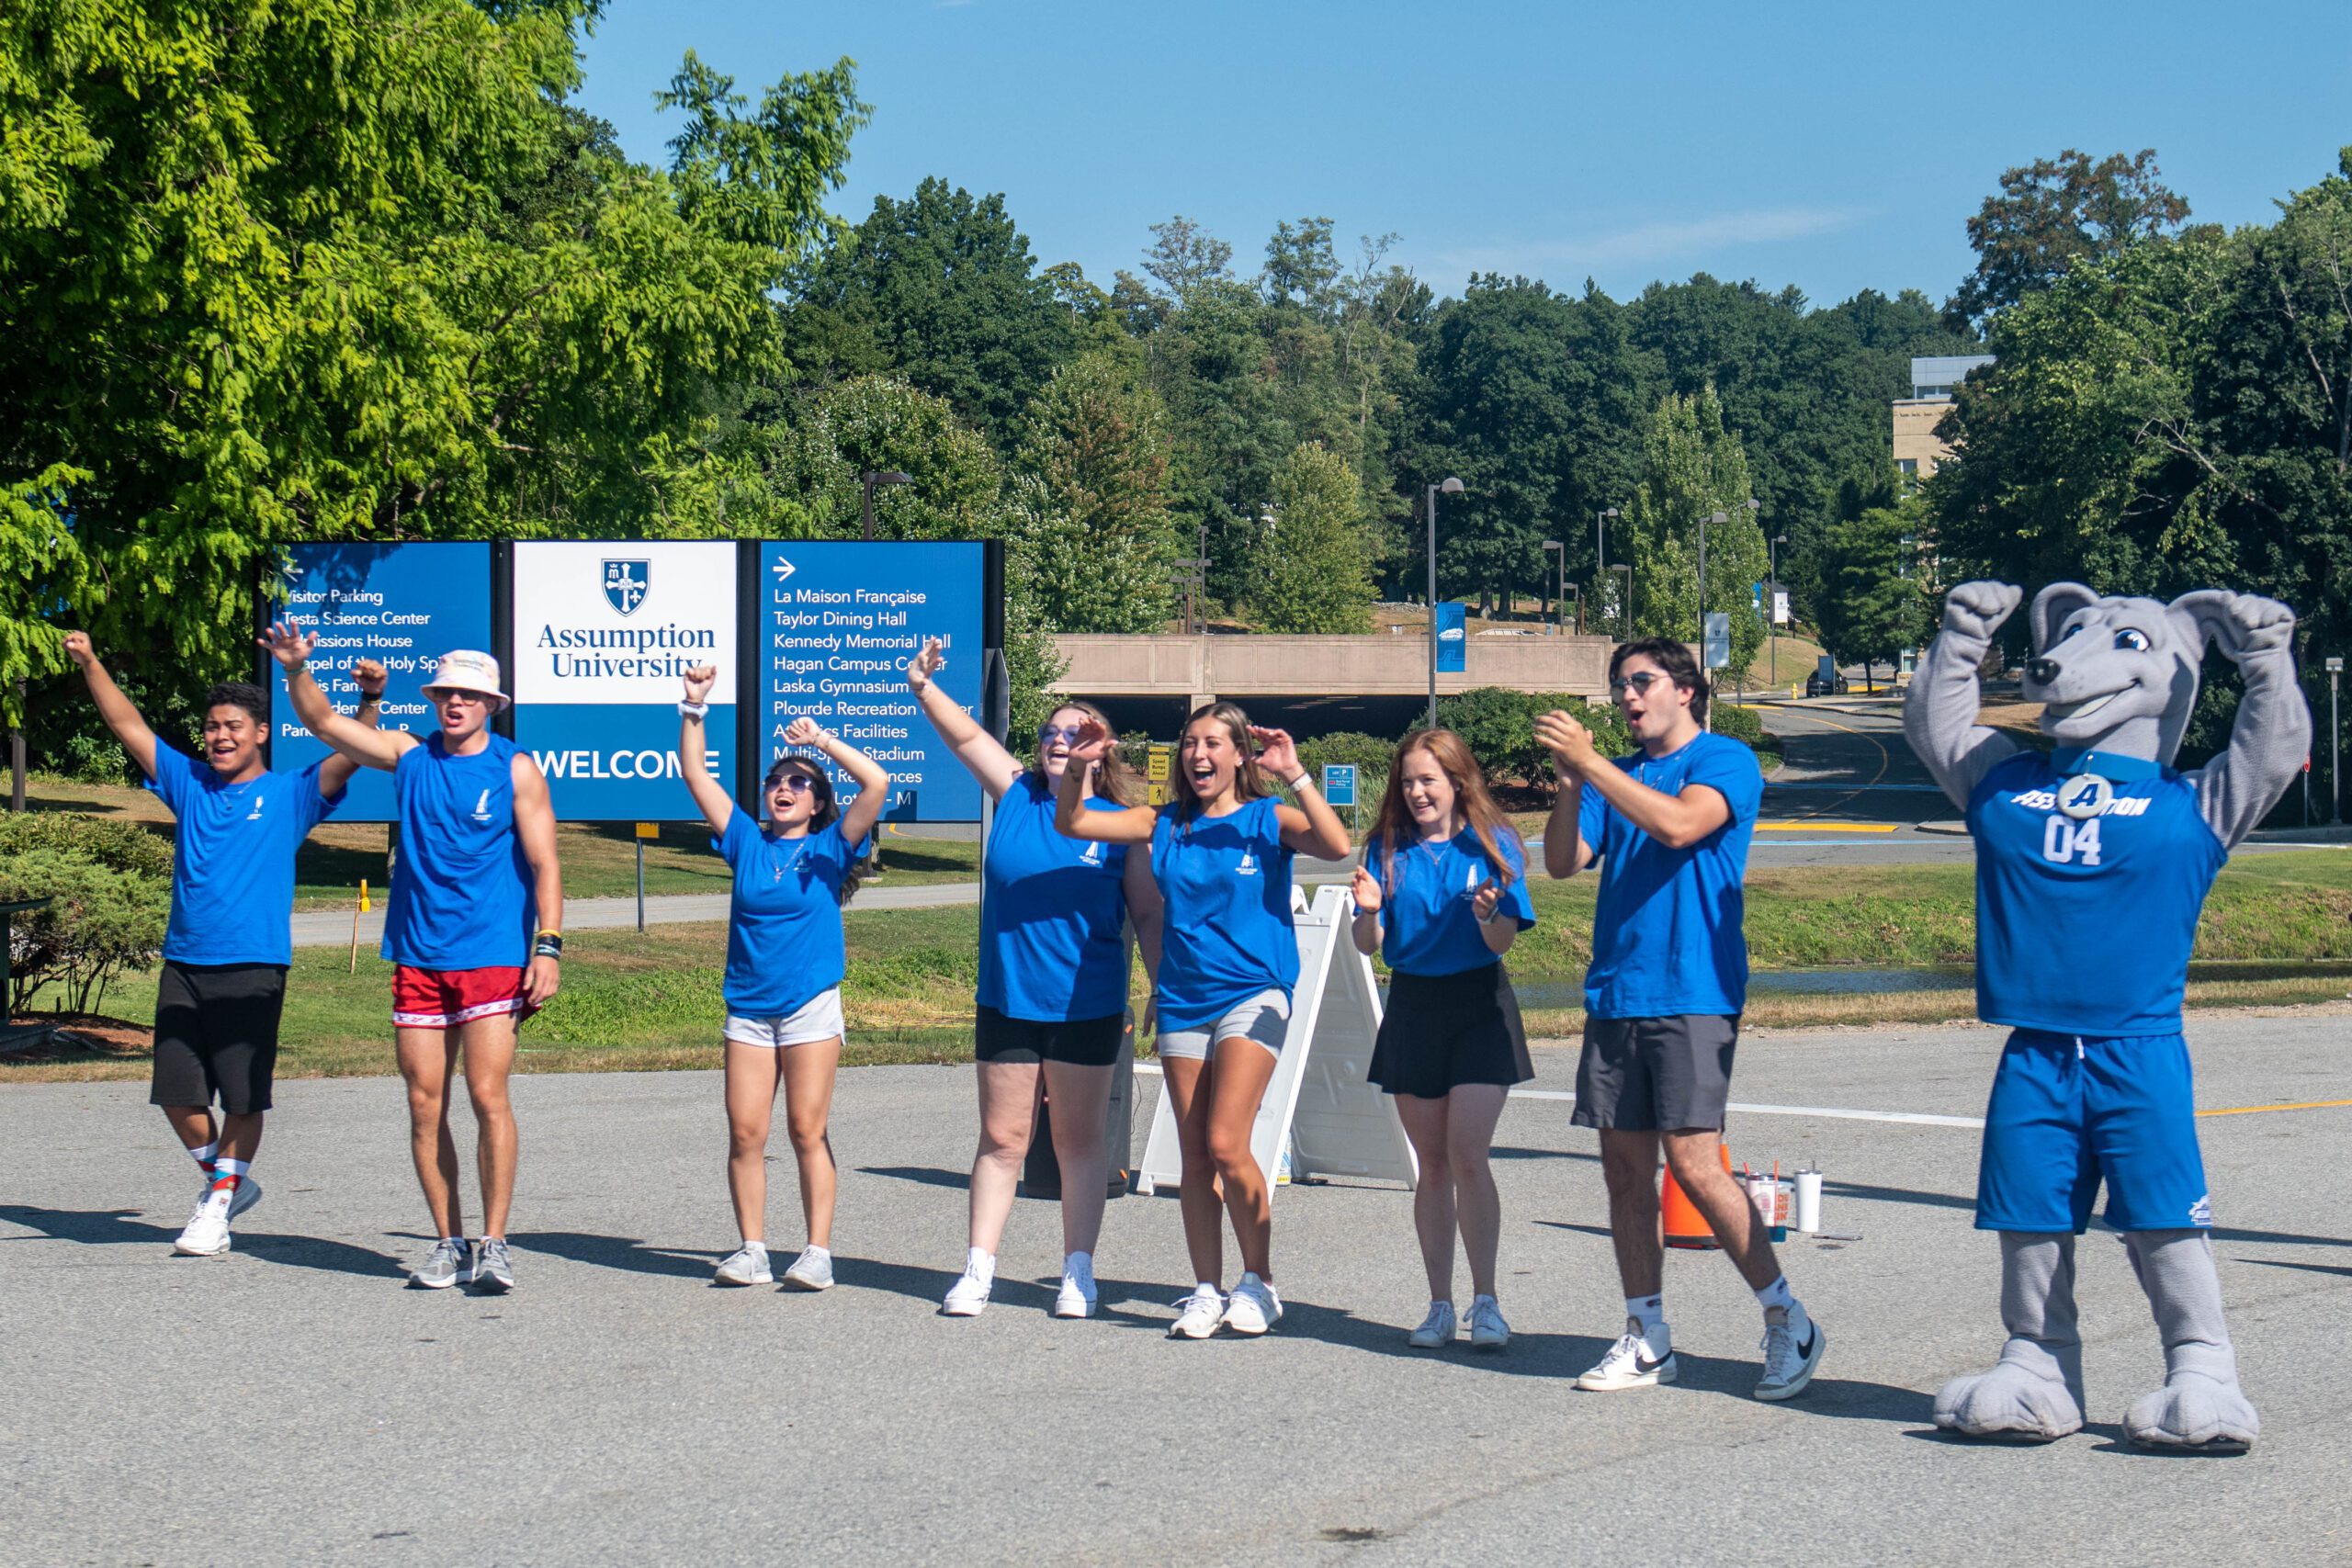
x=1263 y=1019
x=819 y=1018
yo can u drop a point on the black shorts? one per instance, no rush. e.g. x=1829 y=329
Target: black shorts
x=1080 y=1041
x=1438 y=1032
x=216 y=1032
x=1655 y=1075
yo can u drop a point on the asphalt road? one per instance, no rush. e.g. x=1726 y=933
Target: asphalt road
x=292 y=1403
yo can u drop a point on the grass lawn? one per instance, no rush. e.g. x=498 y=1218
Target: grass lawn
x=2276 y=930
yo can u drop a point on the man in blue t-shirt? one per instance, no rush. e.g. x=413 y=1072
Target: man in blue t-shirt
x=229 y=940
x=1669 y=826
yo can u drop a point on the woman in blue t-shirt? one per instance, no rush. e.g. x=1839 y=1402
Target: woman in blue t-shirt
x=1441 y=894
x=1052 y=1002
x=784 y=962
x=1221 y=853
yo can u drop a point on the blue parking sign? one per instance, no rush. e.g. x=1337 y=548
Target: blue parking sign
x=1340 y=784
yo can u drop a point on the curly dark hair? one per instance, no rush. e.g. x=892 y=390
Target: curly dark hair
x=240 y=695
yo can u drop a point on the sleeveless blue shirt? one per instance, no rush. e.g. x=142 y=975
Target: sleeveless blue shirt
x=2084 y=927
x=463 y=895
x=1053 y=923
x=1227 y=935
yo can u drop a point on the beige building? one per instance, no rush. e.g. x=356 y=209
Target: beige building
x=1916 y=450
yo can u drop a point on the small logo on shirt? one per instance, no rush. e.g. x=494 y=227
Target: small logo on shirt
x=1470 y=882
x=1092 y=855
x=1249 y=866
x=254 y=815
x=482 y=807
x=2200 y=1213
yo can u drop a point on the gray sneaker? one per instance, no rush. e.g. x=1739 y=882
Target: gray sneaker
x=491 y=1273
x=441 y=1266
x=812 y=1271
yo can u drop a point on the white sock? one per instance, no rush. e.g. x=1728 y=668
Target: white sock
x=980 y=1265
x=813 y=1250
x=1776 y=1294
x=1206 y=1288
x=204 y=1155
x=1647 y=1311
x=750 y=1245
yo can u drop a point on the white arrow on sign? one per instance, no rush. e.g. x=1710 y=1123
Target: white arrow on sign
x=783 y=568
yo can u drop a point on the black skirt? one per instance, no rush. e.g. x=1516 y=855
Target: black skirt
x=1438 y=1032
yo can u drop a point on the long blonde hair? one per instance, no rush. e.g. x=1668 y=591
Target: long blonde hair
x=1249 y=780
x=1392 y=824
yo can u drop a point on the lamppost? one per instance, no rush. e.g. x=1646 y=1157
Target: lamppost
x=1600 y=544
x=879 y=476
x=1718 y=519
x=1558 y=552
x=1772 y=609
x=1625 y=615
x=1451 y=486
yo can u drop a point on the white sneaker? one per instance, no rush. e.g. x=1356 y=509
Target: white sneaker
x=1793 y=1347
x=812 y=1271
x=248 y=1193
x=747 y=1265
x=1487 y=1329
x=1633 y=1361
x=1077 y=1295
x=1436 y=1331
x=966 y=1296
x=1197 y=1314
x=1253 y=1308
x=206 y=1234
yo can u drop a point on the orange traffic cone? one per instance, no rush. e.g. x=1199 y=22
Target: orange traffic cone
x=1683 y=1225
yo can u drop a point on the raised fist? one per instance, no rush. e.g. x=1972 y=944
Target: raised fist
x=699 y=681
x=1976 y=609
x=370 y=676
x=806 y=732
x=78 y=649
x=2241 y=625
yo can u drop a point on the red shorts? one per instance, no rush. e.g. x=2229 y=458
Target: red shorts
x=444 y=999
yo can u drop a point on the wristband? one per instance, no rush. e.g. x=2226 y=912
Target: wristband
x=1301 y=782
x=547 y=945
x=693 y=710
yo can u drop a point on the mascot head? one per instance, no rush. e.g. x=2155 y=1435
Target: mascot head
x=2119 y=675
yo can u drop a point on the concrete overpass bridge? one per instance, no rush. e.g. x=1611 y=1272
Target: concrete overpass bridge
x=1312 y=685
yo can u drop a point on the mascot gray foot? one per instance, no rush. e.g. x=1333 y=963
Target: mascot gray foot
x=2034 y=1393
x=2200 y=1408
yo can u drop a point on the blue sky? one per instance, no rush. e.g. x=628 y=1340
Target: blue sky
x=1832 y=146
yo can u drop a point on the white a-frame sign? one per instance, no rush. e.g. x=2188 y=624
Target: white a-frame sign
x=1337 y=1123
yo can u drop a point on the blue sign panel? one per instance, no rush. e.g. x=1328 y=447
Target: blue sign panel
x=404 y=605
x=839 y=623
x=1452 y=638
x=604 y=632
x=1340 y=784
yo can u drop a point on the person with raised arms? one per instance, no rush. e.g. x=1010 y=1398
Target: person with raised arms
x=1053 y=993
x=1446 y=900
x=1221 y=853
x=229 y=941
x=474 y=931
x=785 y=961
x=1669 y=826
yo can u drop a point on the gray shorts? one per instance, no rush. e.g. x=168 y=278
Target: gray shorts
x=1263 y=1019
x=1655 y=1075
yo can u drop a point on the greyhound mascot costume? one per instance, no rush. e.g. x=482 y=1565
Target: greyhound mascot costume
x=2091 y=865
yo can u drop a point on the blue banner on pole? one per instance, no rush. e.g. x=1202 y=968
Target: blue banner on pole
x=404 y=605
x=1452 y=638
x=1340 y=784
x=839 y=623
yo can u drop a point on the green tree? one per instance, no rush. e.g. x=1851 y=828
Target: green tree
x=1693 y=469
x=2053 y=212
x=1312 y=572
x=1092 y=514
x=1872 y=604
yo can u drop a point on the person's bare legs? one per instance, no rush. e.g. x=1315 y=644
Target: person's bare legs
x=1434 y=1217
x=1471 y=1111
x=1007 y=1121
x=1082 y=1096
x=1188 y=1100
x=1691 y=1155
x=426 y=1057
x=752 y=1074
x=489 y=1045
x=238 y=1135
x=1244 y=1068
x=808 y=1071
x=1629 y=1169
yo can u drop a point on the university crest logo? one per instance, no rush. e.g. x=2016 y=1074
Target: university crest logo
x=626 y=583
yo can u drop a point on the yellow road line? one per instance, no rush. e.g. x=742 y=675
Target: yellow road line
x=2258 y=1109
x=1885 y=759
x=1825 y=827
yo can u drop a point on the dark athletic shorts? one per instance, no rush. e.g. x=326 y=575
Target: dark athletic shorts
x=216 y=1032
x=1080 y=1041
x=1655 y=1075
x=1438 y=1031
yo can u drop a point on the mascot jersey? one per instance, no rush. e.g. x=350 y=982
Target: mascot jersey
x=2084 y=924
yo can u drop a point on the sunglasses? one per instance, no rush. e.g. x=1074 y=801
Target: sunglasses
x=456 y=695
x=795 y=783
x=1067 y=734
x=1639 y=683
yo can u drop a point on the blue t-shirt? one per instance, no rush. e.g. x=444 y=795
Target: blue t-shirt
x=1426 y=922
x=783 y=928
x=2084 y=927
x=1227 y=935
x=1053 y=942
x=232 y=859
x=463 y=893
x=1666 y=930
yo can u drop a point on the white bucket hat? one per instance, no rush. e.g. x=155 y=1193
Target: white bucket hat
x=468 y=669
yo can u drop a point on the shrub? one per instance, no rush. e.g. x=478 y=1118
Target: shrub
x=101 y=921
x=1496 y=723
x=1740 y=724
x=1370 y=753
x=110 y=841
